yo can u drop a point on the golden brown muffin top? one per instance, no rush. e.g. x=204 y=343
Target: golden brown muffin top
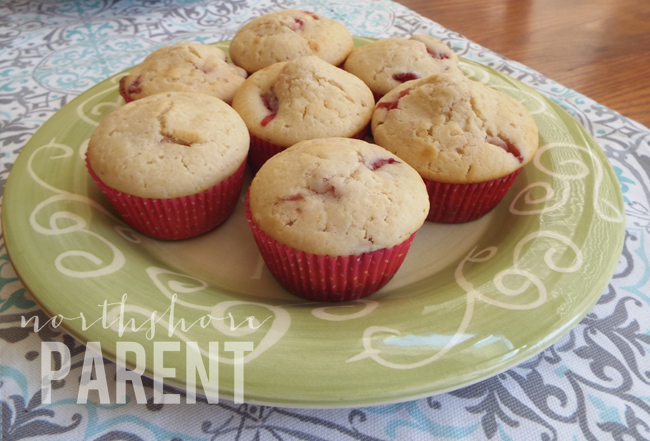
x=385 y=64
x=303 y=99
x=185 y=67
x=168 y=145
x=286 y=35
x=338 y=197
x=455 y=130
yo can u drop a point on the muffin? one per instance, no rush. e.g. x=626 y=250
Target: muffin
x=385 y=64
x=468 y=141
x=298 y=100
x=287 y=35
x=184 y=67
x=334 y=217
x=171 y=164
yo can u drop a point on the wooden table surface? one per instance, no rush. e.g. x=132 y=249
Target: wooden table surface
x=600 y=48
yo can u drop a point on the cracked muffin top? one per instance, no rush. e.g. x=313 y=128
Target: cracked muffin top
x=184 y=67
x=385 y=64
x=168 y=145
x=338 y=197
x=303 y=99
x=286 y=35
x=455 y=130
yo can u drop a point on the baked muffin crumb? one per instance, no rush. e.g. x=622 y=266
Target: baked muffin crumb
x=455 y=130
x=337 y=197
x=385 y=64
x=287 y=35
x=303 y=99
x=168 y=145
x=184 y=67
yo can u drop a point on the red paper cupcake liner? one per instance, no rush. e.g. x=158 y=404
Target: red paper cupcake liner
x=457 y=203
x=123 y=93
x=328 y=278
x=361 y=134
x=176 y=218
x=261 y=151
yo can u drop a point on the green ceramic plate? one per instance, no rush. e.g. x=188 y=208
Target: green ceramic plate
x=470 y=301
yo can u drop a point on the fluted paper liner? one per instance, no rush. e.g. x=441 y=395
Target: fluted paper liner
x=328 y=278
x=457 y=203
x=261 y=151
x=176 y=218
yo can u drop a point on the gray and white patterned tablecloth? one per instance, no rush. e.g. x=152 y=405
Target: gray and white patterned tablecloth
x=593 y=384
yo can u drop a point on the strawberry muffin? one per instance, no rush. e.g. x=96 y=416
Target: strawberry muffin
x=334 y=217
x=184 y=67
x=385 y=64
x=468 y=141
x=287 y=35
x=171 y=164
x=301 y=99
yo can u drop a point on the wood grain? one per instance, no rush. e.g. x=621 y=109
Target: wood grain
x=600 y=48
